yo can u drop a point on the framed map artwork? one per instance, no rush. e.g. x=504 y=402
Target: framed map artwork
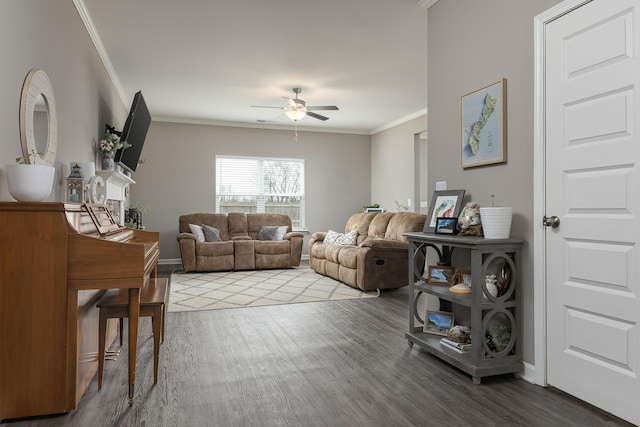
x=483 y=116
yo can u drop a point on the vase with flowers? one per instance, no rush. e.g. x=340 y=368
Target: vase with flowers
x=109 y=145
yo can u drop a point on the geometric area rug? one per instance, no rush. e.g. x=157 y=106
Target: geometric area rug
x=235 y=289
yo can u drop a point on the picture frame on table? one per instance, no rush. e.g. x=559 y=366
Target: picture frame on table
x=483 y=125
x=438 y=322
x=446 y=225
x=444 y=204
x=441 y=275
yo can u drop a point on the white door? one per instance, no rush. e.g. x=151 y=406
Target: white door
x=592 y=184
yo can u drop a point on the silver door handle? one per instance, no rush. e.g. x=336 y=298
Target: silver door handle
x=551 y=221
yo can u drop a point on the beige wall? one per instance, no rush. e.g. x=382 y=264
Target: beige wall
x=50 y=35
x=470 y=44
x=392 y=164
x=178 y=176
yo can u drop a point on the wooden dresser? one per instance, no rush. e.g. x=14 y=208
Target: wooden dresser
x=54 y=266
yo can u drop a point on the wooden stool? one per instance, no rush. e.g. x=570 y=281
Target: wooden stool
x=115 y=305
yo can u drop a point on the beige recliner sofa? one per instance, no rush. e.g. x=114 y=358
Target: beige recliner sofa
x=239 y=247
x=378 y=259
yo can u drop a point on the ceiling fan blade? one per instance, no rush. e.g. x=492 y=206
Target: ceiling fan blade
x=323 y=107
x=317 y=116
x=265 y=106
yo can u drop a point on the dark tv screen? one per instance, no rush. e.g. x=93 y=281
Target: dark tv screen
x=134 y=132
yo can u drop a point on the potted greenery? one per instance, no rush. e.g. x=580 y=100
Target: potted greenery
x=30 y=182
x=496 y=221
x=109 y=145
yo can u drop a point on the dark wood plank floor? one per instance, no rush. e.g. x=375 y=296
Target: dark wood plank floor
x=341 y=363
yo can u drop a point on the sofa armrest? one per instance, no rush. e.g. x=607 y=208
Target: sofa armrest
x=319 y=236
x=291 y=234
x=187 y=243
x=186 y=236
x=295 y=239
x=377 y=243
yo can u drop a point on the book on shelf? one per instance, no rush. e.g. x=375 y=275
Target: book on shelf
x=459 y=347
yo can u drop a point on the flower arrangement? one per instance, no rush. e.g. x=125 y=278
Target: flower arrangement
x=112 y=143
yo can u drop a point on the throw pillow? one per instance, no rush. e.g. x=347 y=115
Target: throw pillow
x=196 y=230
x=349 y=238
x=272 y=232
x=211 y=234
x=268 y=232
x=282 y=230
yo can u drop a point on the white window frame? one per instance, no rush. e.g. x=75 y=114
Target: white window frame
x=256 y=189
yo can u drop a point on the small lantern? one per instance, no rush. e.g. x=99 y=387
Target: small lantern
x=76 y=184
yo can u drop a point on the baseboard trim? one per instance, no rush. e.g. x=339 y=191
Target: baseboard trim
x=170 y=261
x=529 y=373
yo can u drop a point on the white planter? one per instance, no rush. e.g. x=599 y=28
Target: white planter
x=496 y=222
x=30 y=183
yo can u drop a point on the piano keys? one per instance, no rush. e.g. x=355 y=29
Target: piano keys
x=54 y=265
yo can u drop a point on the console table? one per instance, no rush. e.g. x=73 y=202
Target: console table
x=484 y=310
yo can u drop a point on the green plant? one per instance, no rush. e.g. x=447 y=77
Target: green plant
x=498 y=337
x=32 y=158
x=375 y=205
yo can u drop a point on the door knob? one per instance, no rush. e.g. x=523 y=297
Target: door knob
x=551 y=221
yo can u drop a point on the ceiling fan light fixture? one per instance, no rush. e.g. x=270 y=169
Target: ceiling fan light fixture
x=295 y=115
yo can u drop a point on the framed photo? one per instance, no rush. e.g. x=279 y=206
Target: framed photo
x=441 y=275
x=444 y=204
x=483 y=125
x=437 y=322
x=446 y=225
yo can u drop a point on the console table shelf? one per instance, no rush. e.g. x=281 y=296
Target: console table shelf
x=485 y=311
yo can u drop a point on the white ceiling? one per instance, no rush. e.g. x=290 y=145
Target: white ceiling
x=208 y=61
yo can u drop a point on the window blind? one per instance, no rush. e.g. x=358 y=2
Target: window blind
x=262 y=185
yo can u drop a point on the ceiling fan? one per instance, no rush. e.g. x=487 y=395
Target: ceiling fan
x=297 y=109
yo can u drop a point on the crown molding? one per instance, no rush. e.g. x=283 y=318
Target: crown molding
x=399 y=121
x=270 y=126
x=426 y=4
x=102 y=52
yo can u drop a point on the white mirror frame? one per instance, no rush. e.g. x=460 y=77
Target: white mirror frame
x=35 y=84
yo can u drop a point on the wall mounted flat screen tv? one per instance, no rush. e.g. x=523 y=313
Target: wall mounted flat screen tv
x=134 y=132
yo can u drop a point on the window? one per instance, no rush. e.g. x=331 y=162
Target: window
x=262 y=185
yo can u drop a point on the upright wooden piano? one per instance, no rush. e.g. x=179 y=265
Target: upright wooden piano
x=54 y=266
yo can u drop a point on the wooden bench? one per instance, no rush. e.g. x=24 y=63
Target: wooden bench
x=115 y=305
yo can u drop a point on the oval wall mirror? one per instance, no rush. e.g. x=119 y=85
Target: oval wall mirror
x=38 y=120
